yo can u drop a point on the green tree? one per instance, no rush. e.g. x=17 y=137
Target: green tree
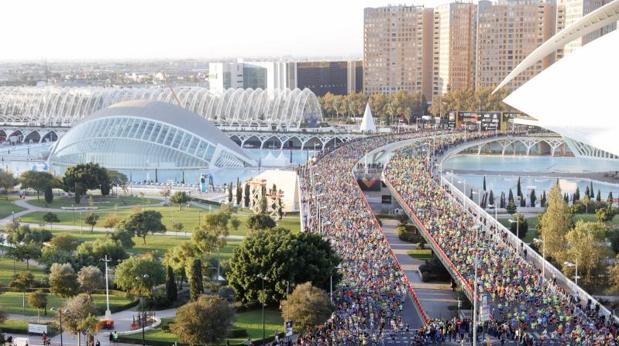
x=65 y=242
x=50 y=218
x=598 y=197
x=484 y=184
x=77 y=315
x=83 y=177
x=613 y=273
x=22 y=282
x=138 y=275
x=179 y=258
x=179 y=198
x=307 y=306
x=142 y=223
x=285 y=259
x=49 y=195
x=532 y=198
x=25 y=252
x=586 y=244
x=520 y=227
x=554 y=224
x=260 y=222
x=610 y=200
x=542 y=200
x=204 y=322
x=90 y=279
x=7 y=181
x=211 y=235
x=111 y=221
x=230 y=193
x=246 y=195
x=576 y=196
x=91 y=252
x=586 y=201
x=123 y=238
x=196 y=286
x=38 y=300
x=91 y=219
x=170 y=285
x=38 y=181
x=239 y=192
x=491 y=199
x=63 y=280
x=519 y=189
x=511 y=205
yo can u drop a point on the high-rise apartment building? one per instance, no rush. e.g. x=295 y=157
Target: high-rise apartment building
x=397 y=49
x=507 y=32
x=569 y=11
x=453 y=46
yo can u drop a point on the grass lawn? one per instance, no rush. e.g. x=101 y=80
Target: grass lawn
x=422 y=254
x=7 y=206
x=11 y=302
x=14 y=326
x=248 y=320
x=189 y=217
x=98 y=201
x=6 y=270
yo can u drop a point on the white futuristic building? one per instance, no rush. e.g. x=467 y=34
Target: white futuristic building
x=146 y=135
x=236 y=108
x=576 y=96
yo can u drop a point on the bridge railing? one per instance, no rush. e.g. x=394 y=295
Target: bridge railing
x=409 y=286
x=436 y=248
x=551 y=272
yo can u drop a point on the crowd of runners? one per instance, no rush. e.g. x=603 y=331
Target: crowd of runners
x=524 y=307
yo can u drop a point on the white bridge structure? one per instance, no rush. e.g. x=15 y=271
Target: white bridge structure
x=538 y=145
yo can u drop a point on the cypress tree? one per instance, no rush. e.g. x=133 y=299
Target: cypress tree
x=49 y=195
x=502 y=200
x=491 y=198
x=246 y=196
x=533 y=198
x=587 y=192
x=170 y=285
x=610 y=199
x=518 y=188
x=230 y=193
x=239 y=192
x=542 y=200
x=484 y=183
x=196 y=286
x=598 y=198
x=591 y=190
x=510 y=197
x=576 y=196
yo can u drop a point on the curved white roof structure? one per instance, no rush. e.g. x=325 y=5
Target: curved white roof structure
x=53 y=106
x=576 y=95
x=595 y=20
x=147 y=135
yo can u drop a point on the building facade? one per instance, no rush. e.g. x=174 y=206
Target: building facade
x=507 y=32
x=397 y=49
x=225 y=75
x=335 y=77
x=453 y=47
x=570 y=11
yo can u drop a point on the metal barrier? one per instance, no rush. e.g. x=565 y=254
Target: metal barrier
x=532 y=256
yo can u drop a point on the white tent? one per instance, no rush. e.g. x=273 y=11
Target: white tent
x=367 y=124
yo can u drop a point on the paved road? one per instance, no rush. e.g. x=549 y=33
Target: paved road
x=435 y=297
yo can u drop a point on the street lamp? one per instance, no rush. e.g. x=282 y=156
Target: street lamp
x=143 y=314
x=263 y=277
x=108 y=313
x=575 y=265
x=60 y=311
x=540 y=241
x=517 y=226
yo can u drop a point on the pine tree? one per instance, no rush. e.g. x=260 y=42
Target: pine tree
x=533 y=198
x=246 y=196
x=170 y=286
x=196 y=287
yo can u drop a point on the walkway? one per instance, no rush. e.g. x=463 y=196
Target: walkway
x=435 y=297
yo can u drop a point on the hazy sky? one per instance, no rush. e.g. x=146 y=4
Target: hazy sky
x=119 y=29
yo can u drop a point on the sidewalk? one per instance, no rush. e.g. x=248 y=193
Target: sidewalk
x=435 y=297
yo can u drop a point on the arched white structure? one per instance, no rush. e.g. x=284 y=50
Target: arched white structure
x=238 y=108
x=595 y=20
x=147 y=135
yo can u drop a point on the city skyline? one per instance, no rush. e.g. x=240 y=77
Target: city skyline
x=139 y=30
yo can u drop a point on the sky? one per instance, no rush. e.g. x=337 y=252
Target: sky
x=141 y=29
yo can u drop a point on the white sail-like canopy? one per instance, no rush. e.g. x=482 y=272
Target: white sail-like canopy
x=367 y=124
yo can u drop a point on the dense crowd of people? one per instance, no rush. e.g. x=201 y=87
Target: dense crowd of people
x=370 y=298
x=523 y=306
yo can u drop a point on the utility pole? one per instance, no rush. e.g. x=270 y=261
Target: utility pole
x=108 y=313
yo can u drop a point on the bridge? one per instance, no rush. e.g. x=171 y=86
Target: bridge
x=310 y=139
x=415 y=188
x=537 y=144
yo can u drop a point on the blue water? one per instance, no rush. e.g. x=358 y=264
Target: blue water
x=499 y=182
x=530 y=164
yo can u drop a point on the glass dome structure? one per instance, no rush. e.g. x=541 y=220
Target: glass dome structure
x=146 y=135
x=52 y=106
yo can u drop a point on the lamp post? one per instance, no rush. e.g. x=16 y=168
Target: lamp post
x=575 y=265
x=517 y=226
x=108 y=313
x=59 y=323
x=263 y=277
x=541 y=241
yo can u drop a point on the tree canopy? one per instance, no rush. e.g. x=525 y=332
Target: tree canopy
x=142 y=223
x=555 y=223
x=284 y=259
x=307 y=306
x=204 y=322
x=138 y=275
x=84 y=177
x=38 y=181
